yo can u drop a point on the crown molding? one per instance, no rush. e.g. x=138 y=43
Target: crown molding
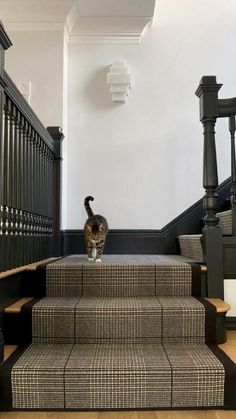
x=35 y=24
x=77 y=29
x=109 y=30
x=104 y=39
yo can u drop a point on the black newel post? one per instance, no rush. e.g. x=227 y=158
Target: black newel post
x=5 y=43
x=208 y=95
x=57 y=135
x=232 y=128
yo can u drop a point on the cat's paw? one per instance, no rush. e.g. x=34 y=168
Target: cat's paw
x=90 y=259
x=98 y=260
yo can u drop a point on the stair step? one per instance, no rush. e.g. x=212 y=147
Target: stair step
x=225 y=222
x=191 y=246
x=124 y=319
x=220 y=305
x=120 y=276
x=17 y=305
x=117 y=376
x=31 y=267
x=8 y=350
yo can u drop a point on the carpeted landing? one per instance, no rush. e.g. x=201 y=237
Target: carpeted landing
x=129 y=333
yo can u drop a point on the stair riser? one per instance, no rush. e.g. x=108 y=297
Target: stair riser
x=126 y=320
x=117 y=377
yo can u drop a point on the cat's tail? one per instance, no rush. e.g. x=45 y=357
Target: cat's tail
x=87 y=206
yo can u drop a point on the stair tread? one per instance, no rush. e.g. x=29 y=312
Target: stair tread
x=31 y=267
x=221 y=305
x=8 y=350
x=120 y=275
x=16 y=307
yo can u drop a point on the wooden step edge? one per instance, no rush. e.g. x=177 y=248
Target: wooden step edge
x=8 y=350
x=31 y=267
x=16 y=307
x=221 y=305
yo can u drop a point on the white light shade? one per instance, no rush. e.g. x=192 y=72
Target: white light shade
x=119 y=81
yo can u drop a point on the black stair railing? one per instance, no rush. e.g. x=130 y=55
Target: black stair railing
x=30 y=178
x=212 y=108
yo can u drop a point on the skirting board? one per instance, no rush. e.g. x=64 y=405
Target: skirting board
x=231 y=323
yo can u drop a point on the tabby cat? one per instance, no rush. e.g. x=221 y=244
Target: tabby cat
x=95 y=230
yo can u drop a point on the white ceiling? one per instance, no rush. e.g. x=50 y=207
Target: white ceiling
x=128 y=8
x=109 y=21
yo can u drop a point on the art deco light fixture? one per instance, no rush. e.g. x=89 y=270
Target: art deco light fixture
x=119 y=81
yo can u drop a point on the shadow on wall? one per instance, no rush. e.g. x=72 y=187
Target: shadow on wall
x=97 y=91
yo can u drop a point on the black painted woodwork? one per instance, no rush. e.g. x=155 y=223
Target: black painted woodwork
x=58 y=136
x=5 y=43
x=29 y=176
x=232 y=128
x=231 y=323
x=163 y=241
x=208 y=98
x=216 y=253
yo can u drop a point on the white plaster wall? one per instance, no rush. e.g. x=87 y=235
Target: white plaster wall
x=229 y=295
x=142 y=161
x=38 y=57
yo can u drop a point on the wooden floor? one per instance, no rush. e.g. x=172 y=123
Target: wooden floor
x=229 y=348
x=183 y=414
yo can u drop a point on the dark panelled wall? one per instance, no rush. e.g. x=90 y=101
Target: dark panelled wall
x=162 y=241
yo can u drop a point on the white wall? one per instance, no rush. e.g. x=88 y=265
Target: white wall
x=142 y=161
x=230 y=296
x=38 y=57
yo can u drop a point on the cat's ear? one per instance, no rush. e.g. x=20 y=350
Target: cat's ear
x=88 y=227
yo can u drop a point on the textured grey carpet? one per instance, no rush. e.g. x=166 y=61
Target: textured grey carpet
x=108 y=376
x=120 y=276
x=118 y=319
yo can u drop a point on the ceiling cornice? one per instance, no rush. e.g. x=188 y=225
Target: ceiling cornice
x=35 y=24
x=78 y=29
x=109 y=30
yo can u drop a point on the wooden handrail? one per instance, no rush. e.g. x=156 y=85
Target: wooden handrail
x=22 y=105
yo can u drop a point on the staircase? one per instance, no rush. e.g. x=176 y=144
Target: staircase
x=129 y=333
x=191 y=245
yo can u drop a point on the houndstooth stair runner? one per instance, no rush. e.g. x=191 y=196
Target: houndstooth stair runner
x=127 y=333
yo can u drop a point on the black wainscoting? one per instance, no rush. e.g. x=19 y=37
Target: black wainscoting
x=163 y=241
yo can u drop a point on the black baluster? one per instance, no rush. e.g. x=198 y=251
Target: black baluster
x=2 y=183
x=30 y=196
x=26 y=191
x=5 y=206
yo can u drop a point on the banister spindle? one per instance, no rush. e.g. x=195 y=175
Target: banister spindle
x=232 y=128
x=210 y=175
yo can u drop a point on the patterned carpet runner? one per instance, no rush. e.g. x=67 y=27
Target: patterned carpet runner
x=130 y=332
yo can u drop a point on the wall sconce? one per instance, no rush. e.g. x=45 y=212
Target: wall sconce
x=119 y=81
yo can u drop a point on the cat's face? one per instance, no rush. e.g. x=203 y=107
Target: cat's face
x=95 y=233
